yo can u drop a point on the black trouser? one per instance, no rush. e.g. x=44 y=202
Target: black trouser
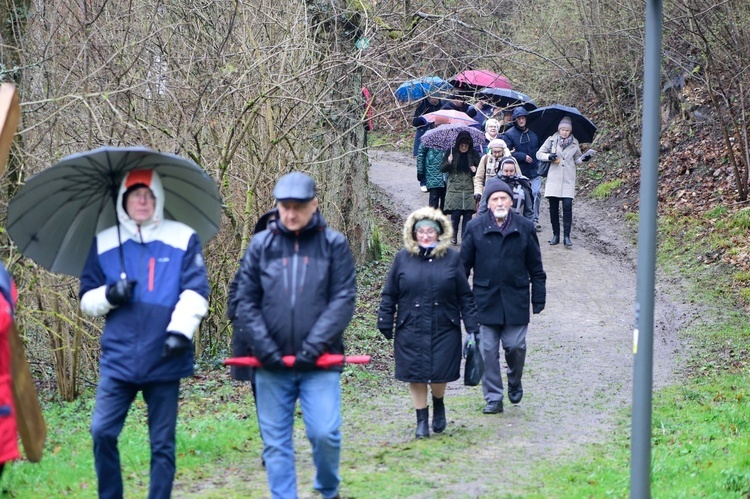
x=554 y=215
x=456 y=218
x=437 y=197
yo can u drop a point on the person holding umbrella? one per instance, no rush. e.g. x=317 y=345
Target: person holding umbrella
x=296 y=289
x=427 y=105
x=147 y=277
x=563 y=153
x=427 y=344
x=460 y=163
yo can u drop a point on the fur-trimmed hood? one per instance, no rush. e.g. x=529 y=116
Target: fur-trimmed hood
x=444 y=239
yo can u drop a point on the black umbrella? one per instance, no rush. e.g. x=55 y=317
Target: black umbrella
x=544 y=120
x=506 y=97
x=56 y=214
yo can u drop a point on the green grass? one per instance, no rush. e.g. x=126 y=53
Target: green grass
x=700 y=446
x=604 y=190
x=700 y=427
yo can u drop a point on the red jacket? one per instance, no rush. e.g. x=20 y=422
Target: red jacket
x=8 y=428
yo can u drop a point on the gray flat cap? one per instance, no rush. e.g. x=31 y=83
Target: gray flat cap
x=295 y=186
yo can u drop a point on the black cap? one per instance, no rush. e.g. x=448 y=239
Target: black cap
x=494 y=185
x=295 y=186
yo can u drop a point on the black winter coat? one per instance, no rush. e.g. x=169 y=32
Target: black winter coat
x=429 y=295
x=296 y=290
x=504 y=264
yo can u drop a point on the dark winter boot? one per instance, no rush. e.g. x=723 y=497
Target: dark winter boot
x=567 y=222
x=423 y=424
x=554 y=218
x=438 y=415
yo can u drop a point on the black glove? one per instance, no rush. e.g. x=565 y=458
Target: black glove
x=585 y=158
x=305 y=360
x=388 y=333
x=477 y=197
x=537 y=307
x=119 y=292
x=552 y=158
x=274 y=363
x=175 y=345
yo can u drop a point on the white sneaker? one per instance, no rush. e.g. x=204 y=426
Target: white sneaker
x=423 y=188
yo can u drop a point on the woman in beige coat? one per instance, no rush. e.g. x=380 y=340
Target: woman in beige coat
x=564 y=154
x=489 y=165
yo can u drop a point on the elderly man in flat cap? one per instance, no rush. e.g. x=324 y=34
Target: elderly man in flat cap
x=502 y=248
x=295 y=297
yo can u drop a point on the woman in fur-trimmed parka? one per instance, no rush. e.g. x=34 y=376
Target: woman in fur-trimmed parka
x=428 y=294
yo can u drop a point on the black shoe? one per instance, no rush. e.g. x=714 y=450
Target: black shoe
x=555 y=240
x=438 y=415
x=423 y=426
x=493 y=407
x=538 y=227
x=567 y=242
x=515 y=393
x=454 y=241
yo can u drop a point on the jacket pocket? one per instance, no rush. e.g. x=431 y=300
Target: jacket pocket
x=402 y=319
x=482 y=283
x=453 y=317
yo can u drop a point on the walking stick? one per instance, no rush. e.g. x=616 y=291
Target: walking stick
x=324 y=361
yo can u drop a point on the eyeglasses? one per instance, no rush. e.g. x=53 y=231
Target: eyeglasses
x=143 y=196
x=426 y=232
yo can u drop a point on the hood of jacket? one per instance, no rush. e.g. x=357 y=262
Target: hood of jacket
x=147 y=230
x=444 y=239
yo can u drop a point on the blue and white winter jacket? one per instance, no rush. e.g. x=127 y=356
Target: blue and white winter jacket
x=171 y=293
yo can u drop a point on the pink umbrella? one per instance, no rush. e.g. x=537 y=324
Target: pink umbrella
x=448 y=116
x=326 y=360
x=480 y=78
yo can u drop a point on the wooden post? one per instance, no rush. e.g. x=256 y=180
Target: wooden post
x=29 y=417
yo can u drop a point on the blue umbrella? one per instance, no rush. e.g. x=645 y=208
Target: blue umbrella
x=56 y=214
x=544 y=120
x=420 y=88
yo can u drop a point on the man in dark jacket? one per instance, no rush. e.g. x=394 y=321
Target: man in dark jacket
x=295 y=297
x=502 y=248
x=524 y=143
x=151 y=316
x=427 y=105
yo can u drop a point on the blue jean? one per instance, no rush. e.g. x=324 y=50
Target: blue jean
x=319 y=394
x=113 y=400
x=536 y=193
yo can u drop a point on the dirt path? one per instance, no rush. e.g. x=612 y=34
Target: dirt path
x=579 y=362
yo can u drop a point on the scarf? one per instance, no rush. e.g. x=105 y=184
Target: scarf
x=563 y=143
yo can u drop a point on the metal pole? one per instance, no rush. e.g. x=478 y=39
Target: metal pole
x=643 y=338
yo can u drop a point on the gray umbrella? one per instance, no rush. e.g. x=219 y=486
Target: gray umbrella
x=54 y=217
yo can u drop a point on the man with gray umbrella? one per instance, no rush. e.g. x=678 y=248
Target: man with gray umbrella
x=147 y=277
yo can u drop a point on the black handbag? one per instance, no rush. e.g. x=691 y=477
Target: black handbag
x=542 y=168
x=474 y=367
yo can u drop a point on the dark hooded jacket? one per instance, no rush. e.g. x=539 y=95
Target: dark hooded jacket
x=296 y=290
x=522 y=143
x=505 y=262
x=429 y=295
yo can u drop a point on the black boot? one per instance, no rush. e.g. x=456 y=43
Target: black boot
x=555 y=239
x=423 y=424
x=567 y=222
x=438 y=415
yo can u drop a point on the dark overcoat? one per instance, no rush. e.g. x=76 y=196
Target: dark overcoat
x=505 y=262
x=429 y=295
